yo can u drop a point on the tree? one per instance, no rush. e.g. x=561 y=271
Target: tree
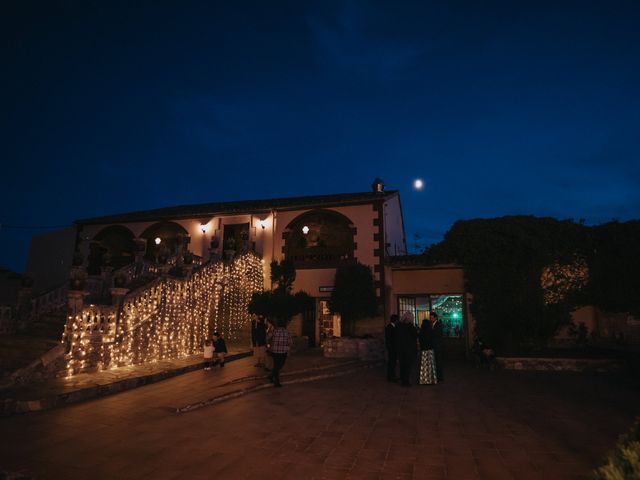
x=504 y=260
x=280 y=305
x=353 y=295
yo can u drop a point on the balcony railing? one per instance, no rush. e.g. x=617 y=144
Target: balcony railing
x=320 y=257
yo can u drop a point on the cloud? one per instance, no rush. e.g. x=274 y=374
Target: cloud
x=350 y=40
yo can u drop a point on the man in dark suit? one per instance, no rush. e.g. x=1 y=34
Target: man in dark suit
x=436 y=336
x=407 y=345
x=392 y=351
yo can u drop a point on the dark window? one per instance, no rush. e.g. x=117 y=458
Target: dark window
x=320 y=239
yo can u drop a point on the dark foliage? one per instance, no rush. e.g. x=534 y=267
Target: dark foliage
x=615 y=268
x=503 y=260
x=624 y=461
x=353 y=295
x=279 y=305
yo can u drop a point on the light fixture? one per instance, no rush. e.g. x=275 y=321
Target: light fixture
x=158 y=240
x=204 y=227
x=263 y=223
x=305 y=229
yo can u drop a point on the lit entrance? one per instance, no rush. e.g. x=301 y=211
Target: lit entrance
x=328 y=325
x=449 y=309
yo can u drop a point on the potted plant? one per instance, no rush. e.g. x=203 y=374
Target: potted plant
x=140 y=245
x=77 y=279
x=120 y=280
x=78 y=259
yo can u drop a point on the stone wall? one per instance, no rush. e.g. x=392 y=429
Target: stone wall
x=561 y=364
x=370 y=326
x=361 y=348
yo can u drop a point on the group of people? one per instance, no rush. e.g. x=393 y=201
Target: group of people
x=215 y=350
x=406 y=345
x=268 y=341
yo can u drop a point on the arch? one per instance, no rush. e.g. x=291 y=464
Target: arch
x=328 y=242
x=117 y=241
x=172 y=237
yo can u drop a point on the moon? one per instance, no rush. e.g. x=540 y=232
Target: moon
x=418 y=184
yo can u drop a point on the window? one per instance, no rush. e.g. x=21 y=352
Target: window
x=320 y=239
x=448 y=307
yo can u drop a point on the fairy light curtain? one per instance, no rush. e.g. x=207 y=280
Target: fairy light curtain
x=168 y=319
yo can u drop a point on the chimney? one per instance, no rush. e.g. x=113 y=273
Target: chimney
x=378 y=185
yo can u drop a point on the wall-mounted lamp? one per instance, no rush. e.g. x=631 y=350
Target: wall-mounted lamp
x=305 y=229
x=158 y=240
x=204 y=227
x=263 y=223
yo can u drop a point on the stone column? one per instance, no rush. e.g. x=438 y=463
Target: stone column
x=117 y=299
x=75 y=302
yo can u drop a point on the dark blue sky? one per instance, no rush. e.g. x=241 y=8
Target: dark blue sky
x=501 y=107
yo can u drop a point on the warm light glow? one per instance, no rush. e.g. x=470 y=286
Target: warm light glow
x=168 y=319
x=204 y=228
x=158 y=240
x=305 y=229
x=418 y=184
x=263 y=223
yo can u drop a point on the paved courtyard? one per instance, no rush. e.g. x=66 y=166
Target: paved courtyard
x=477 y=425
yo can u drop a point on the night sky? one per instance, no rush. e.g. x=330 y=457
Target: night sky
x=502 y=108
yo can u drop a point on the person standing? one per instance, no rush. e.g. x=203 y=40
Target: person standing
x=259 y=339
x=436 y=326
x=407 y=346
x=390 y=343
x=220 y=347
x=208 y=353
x=279 y=345
x=427 y=375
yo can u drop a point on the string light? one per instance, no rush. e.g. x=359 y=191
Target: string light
x=168 y=319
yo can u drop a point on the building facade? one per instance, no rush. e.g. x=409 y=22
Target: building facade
x=317 y=233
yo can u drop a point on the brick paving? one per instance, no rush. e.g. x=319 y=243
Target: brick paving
x=477 y=425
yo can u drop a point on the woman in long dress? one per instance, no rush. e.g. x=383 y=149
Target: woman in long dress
x=427 y=359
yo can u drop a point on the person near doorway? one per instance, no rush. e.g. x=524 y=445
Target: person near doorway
x=407 y=347
x=390 y=343
x=279 y=345
x=427 y=372
x=220 y=347
x=436 y=326
x=259 y=339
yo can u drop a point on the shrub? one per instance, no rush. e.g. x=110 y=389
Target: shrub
x=279 y=304
x=353 y=295
x=624 y=462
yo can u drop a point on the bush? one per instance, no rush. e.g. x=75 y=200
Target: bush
x=624 y=462
x=527 y=274
x=279 y=304
x=353 y=295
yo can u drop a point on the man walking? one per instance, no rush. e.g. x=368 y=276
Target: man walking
x=390 y=343
x=280 y=343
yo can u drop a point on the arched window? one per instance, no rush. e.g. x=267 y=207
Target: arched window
x=115 y=240
x=320 y=239
x=170 y=234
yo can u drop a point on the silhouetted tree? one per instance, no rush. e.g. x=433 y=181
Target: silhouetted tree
x=353 y=295
x=280 y=305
